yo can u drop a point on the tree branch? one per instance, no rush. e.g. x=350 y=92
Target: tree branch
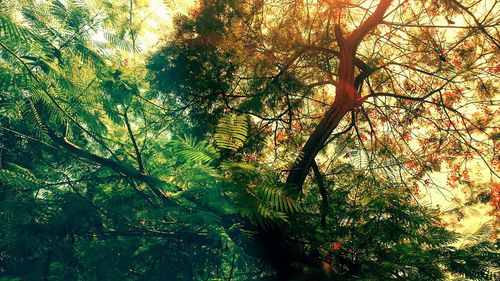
x=346 y=99
x=53 y=100
x=355 y=38
x=134 y=143
x=323 y=192
x=152 y=182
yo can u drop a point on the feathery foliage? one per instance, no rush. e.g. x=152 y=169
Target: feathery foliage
x=105 y=175
x=231 y=132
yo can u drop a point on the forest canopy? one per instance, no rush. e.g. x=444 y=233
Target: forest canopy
x=249 y=140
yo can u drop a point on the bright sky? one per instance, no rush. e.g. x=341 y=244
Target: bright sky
x=158 y=17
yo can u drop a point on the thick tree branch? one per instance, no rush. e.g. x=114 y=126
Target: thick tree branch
x=346 y=98
x=355 y=38
x=122 y=168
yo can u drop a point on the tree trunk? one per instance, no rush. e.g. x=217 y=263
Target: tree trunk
x=330 y=121
x=280 y=250
x=346 y=97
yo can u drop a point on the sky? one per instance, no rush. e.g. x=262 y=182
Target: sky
x=158 y=17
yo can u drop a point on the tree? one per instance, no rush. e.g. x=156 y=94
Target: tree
x=375 y=230
x=101 y=179
x=92 y=185
x=317 y=57
x=414 y=80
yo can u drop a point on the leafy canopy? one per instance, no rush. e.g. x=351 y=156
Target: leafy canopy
x=111 y=169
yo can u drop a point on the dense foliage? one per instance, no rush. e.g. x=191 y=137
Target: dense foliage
x=180 y=167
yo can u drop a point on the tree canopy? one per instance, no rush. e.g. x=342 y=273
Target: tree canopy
x=261 y=140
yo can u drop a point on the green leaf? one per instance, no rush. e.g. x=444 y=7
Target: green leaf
x=193 y=150
x=231 y=132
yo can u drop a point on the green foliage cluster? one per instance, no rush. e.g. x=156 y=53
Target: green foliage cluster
x=375 y=230
x=198 y=50
x=91 y=188
x=175 y=73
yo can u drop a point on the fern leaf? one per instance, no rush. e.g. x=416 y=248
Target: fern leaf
x=277 y=199
x=33 y=117
x=268 y=216
x=18 y=176
x=12 y=32
x=231 y=132
x=120 y=42
x=193 y=150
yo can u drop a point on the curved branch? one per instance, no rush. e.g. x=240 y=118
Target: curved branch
x=119 y=167
x=480 y=26
x=54 y=101
x=355 y=38
x=346 y=99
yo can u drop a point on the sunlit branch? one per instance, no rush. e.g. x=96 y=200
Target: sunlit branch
x=436 y=26
x=478 y=23
x=53 y=100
